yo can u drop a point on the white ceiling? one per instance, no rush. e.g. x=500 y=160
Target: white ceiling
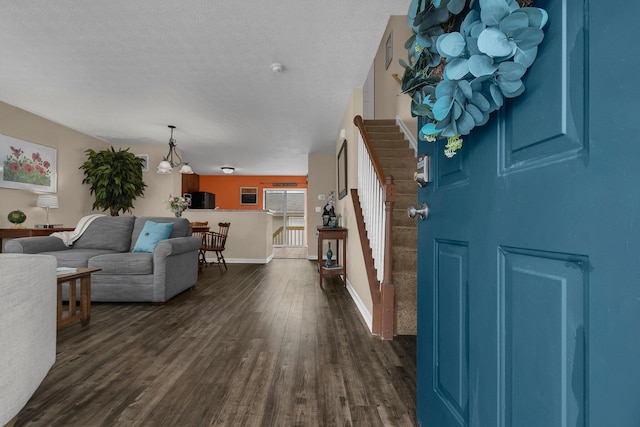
x=122 y=70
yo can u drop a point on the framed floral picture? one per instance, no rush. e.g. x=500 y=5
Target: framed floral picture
x=27 y=166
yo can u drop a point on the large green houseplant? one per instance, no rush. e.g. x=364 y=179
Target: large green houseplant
x=115 y=178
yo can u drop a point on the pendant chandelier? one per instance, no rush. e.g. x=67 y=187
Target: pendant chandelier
x=173 y=159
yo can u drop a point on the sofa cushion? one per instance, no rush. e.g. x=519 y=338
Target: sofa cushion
x=151 y=234
x=107 y=232
x=129 y=263
x=76 y=258
x=181 y=227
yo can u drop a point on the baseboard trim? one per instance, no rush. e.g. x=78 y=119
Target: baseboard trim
x=366 y=316
x=244 y=260
x=407 y=134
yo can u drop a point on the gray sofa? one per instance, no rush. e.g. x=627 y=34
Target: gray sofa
x=28 y=332
x=126 y=276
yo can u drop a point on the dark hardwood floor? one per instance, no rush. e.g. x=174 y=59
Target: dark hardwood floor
x=261 y=345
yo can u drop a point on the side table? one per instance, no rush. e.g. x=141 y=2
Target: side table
x=72 y=313
x=338 y=234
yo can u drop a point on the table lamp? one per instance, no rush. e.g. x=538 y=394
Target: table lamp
x=47 y=201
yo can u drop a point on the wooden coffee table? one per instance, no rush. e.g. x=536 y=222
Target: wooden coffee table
x=64 y=317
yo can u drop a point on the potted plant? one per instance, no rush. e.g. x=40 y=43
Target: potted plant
x=115 y=178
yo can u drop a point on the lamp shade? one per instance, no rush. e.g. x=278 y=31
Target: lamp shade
x=164 y=167
x=186 y=169
x=47 y=201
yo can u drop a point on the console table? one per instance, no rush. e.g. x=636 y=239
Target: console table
x=339 y=235
x=13 y=233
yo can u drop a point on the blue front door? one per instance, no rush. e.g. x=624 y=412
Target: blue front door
x=529 y=262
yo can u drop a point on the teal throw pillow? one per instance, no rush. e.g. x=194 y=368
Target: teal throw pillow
x=151 y=234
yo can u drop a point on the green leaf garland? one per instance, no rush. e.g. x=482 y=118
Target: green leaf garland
x=458 y=78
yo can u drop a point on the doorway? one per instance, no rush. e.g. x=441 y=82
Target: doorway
x=289 y=221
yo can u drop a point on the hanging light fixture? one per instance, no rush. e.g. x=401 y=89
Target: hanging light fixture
x=173 y=159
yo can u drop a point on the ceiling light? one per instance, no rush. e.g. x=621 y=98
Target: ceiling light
x=173 y=159
x=186 y=169
x=277 y=68
x=228 y=169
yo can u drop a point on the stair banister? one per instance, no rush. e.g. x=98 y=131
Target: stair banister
x=377 y=195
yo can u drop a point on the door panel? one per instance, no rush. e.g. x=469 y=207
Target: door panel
x=557 y=131
x=543 y=361
x=529 y=261
x=451 y=341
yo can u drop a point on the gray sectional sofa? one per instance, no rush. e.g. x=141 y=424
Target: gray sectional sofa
x=126 y=276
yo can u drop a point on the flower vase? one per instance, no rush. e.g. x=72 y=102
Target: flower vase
x=178 y=214
x=329 y=263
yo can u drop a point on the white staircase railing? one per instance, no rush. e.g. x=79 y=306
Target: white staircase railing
x=371 y=192
x=376 y=196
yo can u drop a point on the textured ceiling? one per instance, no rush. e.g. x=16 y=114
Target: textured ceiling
x=123 y=70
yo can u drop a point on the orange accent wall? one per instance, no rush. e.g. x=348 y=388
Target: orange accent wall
x=227 y=188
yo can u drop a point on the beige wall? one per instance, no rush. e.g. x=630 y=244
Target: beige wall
x=73 y=196
x=250 y=233
x=322 y=180
x=356 y=271
x=389 y=104
x=75 y=200
x=159 y=186
x=389 y=101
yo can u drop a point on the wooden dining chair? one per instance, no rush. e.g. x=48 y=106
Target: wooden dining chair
x=198 y=228
x=213 y=241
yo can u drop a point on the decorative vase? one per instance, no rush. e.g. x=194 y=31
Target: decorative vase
x=17 y=218
x=329 y=263
x=178 y=214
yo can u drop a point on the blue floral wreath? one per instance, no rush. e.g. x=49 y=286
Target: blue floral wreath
x=458 y=78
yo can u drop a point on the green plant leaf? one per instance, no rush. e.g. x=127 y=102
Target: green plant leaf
x=465 y=88
x=513 y=22
x=493 y=11
x=482 y=65
x=445 y=88
x=496 y=95
x=451 y=45
x=457 y=69
x=465 y=123
x=527 y=38
x=526 y=57
x=471 y=19
x=421 y=109
x=423 y=40
x=509 y=87
x=475 y=113
x=456 y=6
x=449 y=130
x=480 y=101
x=510 y=70
x=115 y=179
x=494 y=43
x=429 y=129
x=442 y=107
x=537 y=17
x=456 y=111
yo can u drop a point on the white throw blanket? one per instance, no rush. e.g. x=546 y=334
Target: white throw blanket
x=68 y=237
